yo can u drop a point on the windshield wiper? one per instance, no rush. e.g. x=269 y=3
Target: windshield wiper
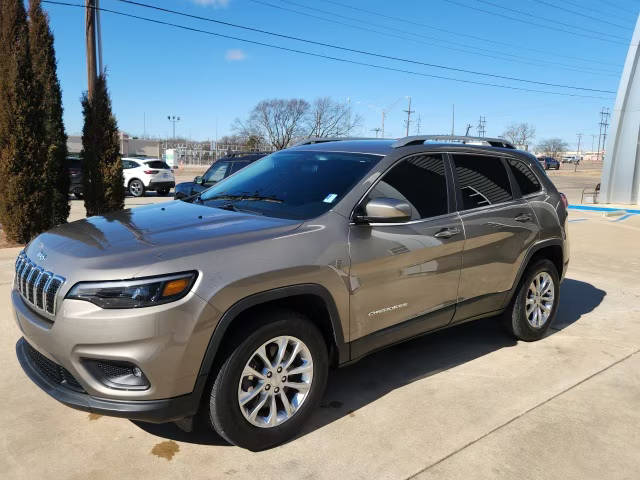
x=247 y=198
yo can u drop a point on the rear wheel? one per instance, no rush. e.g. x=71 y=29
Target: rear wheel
x=270 y=383
x=136 y=188
x=535 y=304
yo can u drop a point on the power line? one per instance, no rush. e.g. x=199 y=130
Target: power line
x=475 y=37
x=328 y=57
x=531 y=15
x=490 y=54
x=601 y=12
x=573 y=12
x=611 y=4
x=497 y=55
x=364 y=52
x=541 y=25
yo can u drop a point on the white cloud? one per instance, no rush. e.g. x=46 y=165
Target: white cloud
x=212 y=3
x=235 y=55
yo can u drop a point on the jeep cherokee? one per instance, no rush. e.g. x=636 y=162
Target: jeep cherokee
x=230 y=307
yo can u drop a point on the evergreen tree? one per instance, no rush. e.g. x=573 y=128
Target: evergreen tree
x=102 y=166
x=24 y=204
x=43 y=60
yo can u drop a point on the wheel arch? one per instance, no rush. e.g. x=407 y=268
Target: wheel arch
x=313 y=300
x=551 y=249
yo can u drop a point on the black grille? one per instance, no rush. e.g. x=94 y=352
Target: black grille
x=52 y=370
x=114 y=371
x=38 y=288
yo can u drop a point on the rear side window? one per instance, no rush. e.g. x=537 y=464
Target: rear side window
x=525 y=178
x=420 y=181
x=158 y=164
x=129 y=164
x=482 y=180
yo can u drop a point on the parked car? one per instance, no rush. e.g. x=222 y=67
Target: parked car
x=229 y=308
x=74 y=170
x=219 y=170
x=549 y=162
x=142 y=174
x=571 y=159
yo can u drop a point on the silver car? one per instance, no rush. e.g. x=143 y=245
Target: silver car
x=230 y=308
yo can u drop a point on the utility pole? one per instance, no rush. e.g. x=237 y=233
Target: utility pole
x=578 y=152
x=408 y=112
x=418 y=124
x=90 y=37
x=173 y=119
x=453 y=120
x=481 y=126
x=377 y=130
x=604 y=123
x=468 y=128
x=384 y=114
x=593 y=142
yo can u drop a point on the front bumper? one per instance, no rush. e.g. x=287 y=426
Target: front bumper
x=154 y=411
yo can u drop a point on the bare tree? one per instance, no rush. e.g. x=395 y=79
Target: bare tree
x=329 y=118
x=520 y=134
x=552 y=147
x=278 y=121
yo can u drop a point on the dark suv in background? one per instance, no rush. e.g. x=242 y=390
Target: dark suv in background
x=549 y=163
x=74 y=170
x=228 y=308
x=221 y=169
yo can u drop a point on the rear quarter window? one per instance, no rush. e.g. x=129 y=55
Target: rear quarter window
x=524 y=176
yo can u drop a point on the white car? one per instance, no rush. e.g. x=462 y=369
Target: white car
x=142 y=174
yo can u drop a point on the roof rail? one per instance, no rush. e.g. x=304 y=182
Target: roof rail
x=420 y=139
x=313 y=140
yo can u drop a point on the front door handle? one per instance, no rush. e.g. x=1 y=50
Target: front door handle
x=523 y=217
x=447 y=232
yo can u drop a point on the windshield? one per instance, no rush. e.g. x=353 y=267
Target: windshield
x=295 y=185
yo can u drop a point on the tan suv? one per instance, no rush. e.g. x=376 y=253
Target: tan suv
x=231 y=307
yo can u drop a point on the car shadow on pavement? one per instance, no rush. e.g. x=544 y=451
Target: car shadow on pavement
x=352 y=387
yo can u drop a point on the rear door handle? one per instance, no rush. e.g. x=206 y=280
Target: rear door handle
x=523 y=217
x=447 y=232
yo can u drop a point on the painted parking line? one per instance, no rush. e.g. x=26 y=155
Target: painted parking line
x=624 y=217
x=602 y=209
x=578 y=220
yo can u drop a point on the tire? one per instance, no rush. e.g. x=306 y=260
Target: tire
x=518 y=322
x=136 y=188
x=163 y=191
x=231 y=420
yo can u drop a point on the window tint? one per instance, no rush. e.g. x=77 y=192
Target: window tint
x=216 y=173
x=129 y=164
x=526 y=179
x=74 y=163
x=420 y=181
x=238 y=166
x=482 y=180
x=157 y=164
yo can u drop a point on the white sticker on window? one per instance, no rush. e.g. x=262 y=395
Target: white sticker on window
x=330 y=198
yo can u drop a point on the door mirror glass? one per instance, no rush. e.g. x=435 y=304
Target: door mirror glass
x=385 y=210
x=198 y=180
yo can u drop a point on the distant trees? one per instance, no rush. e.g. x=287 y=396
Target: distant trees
x=22 y=148
x=552 y=147
x=520 y=134
x=101 y=163
x=43 y=58
x=280 y=121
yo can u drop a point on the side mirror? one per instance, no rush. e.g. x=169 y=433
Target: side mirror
x=385 y=210
x=198 y=180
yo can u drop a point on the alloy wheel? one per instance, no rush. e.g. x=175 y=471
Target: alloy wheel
x=539 y=300
x=275 y=382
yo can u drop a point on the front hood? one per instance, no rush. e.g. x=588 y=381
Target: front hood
x=121 y=244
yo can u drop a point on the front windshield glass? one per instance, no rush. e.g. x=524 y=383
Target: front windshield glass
x=296 y=185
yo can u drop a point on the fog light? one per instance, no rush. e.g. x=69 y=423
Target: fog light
x=116 y=374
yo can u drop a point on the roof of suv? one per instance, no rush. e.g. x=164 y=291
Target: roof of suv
x=385 y=146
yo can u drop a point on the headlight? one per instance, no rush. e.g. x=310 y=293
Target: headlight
x=145 y=292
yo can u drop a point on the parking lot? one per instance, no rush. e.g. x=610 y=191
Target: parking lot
x=468 y=402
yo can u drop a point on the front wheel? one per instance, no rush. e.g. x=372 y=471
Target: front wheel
x=136 y=188
x=271 y=382
x=535 y=303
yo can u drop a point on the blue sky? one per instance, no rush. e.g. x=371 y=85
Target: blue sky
x=156 y=70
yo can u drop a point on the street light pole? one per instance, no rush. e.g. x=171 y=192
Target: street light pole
x=173 y=119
